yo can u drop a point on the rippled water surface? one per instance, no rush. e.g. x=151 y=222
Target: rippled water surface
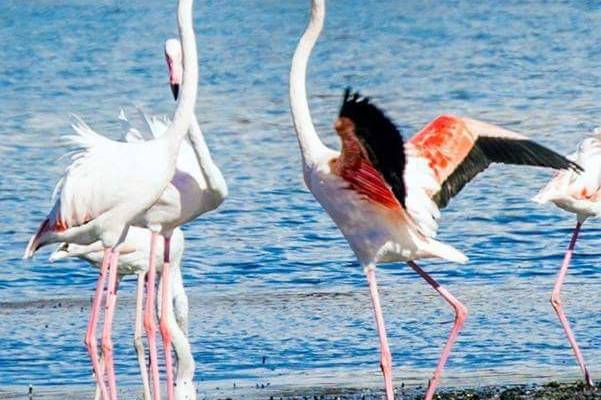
x=269 y=275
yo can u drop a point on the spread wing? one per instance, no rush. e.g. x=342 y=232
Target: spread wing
x=458 y=149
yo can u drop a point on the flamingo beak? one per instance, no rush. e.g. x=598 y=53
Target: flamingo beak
x=174 y=89
x=32 y=247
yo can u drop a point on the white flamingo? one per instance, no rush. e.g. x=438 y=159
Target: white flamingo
x=579 y=194
x=196 y=188
x=108 y=186
x=133 y=260
x=384 y=195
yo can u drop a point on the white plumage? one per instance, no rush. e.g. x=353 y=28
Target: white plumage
x=197 y=186
x=109 y=183
x=578 y=193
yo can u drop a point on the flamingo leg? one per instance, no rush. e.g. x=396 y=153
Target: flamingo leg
x=107 y=343
x=385 y=357
x=558 y=306
x=138 y=342
x=90 y=338
x=460 y=316
x=97 y=393
x=166 y=309
x=149 y=322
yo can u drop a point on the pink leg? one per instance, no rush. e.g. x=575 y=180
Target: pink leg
x=97 y=392
x=149 y=323
x=107 y=343
x=385 y=357
x=165 y=310
x=138 y=342
x=460 y=316
x=90 y=339
x=557 y=305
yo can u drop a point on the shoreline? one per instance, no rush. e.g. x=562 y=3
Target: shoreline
x=551 y=390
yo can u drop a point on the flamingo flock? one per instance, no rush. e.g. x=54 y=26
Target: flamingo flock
x=120 y=205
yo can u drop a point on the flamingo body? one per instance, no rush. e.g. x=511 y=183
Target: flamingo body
x=375 y=232
x=108 y=184
x=197 y=186
x=133 y=256
x=578 y=193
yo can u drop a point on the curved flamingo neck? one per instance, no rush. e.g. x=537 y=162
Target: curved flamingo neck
x=308 y=140
x=184 y=110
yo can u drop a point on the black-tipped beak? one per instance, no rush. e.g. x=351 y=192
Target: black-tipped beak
x=175 y=90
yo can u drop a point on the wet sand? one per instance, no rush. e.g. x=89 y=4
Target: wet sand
x=549 y=391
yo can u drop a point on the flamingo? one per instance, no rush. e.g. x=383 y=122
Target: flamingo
x=197 y=187
x=134 y=261
x=579 y=194
x=385 y=194
x=110 y=184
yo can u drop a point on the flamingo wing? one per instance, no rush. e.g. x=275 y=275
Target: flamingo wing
x=103 y=174
x=154 y=127
x=457 y=149
x=388 y=171
x=142 y=126
x=379 y=165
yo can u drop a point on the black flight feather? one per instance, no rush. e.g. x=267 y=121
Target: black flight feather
x=489 y=150
x=380 y=138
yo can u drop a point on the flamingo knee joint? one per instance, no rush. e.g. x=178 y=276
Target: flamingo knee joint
x=556 y=301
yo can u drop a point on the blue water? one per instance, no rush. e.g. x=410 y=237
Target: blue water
x=269 y=274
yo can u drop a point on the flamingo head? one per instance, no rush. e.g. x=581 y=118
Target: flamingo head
x=62 y=251
x=173 y=56
x=65 y=250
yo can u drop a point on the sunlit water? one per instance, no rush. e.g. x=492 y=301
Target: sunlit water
x=269 y=275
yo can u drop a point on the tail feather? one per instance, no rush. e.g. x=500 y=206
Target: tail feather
x=541 y=197
x=438 y=249
x=83 y=136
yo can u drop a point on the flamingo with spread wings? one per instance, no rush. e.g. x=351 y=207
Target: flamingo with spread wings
x=384 y=194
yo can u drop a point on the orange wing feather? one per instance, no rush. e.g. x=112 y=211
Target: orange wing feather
x=355 y=168
x=366 y=180
x=444 y=142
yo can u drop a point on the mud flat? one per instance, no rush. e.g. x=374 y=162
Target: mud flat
x=548 y=391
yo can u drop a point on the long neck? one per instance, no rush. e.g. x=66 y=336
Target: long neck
x=210 y=171
x=309 y=141
x=187 y=99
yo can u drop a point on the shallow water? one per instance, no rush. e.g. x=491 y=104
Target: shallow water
x=269 y=275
